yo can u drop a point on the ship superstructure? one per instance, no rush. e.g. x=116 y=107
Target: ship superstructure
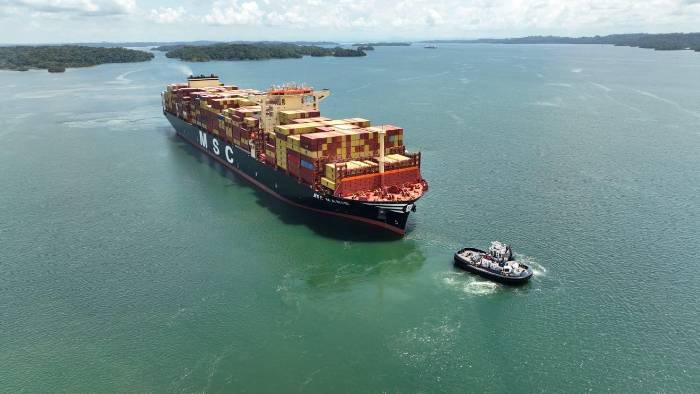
x=278 y=140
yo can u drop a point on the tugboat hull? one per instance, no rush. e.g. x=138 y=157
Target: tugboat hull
x=462 y=263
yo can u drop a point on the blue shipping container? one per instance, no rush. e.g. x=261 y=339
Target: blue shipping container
x=307 y=165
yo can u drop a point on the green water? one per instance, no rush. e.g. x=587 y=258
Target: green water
x=131 y=263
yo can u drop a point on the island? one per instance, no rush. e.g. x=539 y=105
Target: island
x=56 y=58
x=660 y=42
x=165 y=47
x=383 y=44
x=365 y=48
x=204 y=53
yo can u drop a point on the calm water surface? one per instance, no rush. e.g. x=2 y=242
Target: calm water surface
x=132 y=263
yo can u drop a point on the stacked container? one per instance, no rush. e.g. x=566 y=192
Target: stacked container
x=339 y=155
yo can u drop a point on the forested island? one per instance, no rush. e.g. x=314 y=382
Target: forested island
x=660 y=42
x=204 y=53
x=56 y=58
x=383 y=44
x=165 y=47
x=365 y=48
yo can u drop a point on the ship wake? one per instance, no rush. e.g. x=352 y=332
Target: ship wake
x=467 y=284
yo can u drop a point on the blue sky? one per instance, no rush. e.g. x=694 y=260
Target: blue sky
x=36 y=21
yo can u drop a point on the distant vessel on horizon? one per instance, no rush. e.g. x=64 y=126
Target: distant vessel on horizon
x=431 y=46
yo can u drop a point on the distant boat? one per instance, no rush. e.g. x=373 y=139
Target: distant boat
x=430 y=47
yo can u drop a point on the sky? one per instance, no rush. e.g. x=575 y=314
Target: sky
x=56 y=21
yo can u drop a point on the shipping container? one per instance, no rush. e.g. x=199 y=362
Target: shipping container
x=351 y=185
x=293 y=162
x=339 y=154
x=328 y=183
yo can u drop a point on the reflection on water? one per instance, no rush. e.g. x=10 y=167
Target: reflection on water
x=351 y=269
x=354 y=266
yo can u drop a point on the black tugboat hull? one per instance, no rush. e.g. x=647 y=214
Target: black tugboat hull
x=460 y=262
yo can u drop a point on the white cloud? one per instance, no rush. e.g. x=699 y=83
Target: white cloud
x=433 y=18
x=75 y=7
x=233 y=13
x=352 y=19
x=452 y=16
x=166 y=14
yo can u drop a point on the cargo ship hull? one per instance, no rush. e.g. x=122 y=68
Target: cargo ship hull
x=388 y=215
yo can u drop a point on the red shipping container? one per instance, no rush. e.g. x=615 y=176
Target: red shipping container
x=306 y=174
x=352 y=185
x=293 y=162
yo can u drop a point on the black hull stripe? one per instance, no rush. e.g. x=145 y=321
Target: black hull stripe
x=252 y=180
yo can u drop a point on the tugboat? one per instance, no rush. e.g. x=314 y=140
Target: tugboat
x=497 y=264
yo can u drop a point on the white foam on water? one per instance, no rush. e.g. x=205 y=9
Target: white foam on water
x=455 y=117
x=537 y=268
x=667 y=101
x=467 y=283
x=600 y=85
x=559 y=84
x=545 y=104
x=577 y=70
x=428 y=342
x=622 y=103
x=122 y=78
x=423 y=76
x=92 y=123
x=480 y=287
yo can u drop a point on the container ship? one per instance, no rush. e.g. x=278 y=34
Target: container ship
x=278 y=141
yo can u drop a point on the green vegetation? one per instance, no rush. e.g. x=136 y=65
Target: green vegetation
x=203 y=53
x=165 y=47
x=171 y=47
x=343 y=52
x=662 y=42
x=59 y=57
x=365 y=48
x=383 y=44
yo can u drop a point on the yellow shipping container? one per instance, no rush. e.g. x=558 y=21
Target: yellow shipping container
x=330 y=171
x=335 y=122
x=281 y=154
x=294 y=142
x=328 y=183
x=349 y=165
x=290 y=116
x=297 y=128
x=311 y=154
